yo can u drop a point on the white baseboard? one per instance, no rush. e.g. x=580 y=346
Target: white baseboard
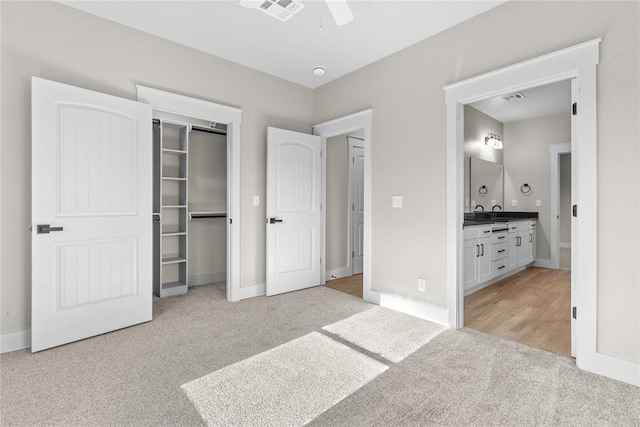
x=206 y=278
x=565 y=245
x=544 y=263
x=338 y=273
x=251 y=291
x=611 y=367
x=15 y=341
x=420 y=309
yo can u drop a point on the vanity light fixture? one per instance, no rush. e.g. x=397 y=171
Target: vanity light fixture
x=492 y=140
x=319 y=70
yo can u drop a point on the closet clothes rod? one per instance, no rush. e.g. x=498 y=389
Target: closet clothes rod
x=198 y=215
x=199 y=128
x=208 y=130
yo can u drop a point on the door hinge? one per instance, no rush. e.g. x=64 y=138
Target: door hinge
x=575 y=108
x=353 y=254
x=320 y=260
x=574 y=312
x=230 y=221
x=353 y=207
x=353 y=160
x=575 y=210
x=320 y=153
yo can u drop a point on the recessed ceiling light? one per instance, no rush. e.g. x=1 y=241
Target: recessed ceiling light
x=319 y=70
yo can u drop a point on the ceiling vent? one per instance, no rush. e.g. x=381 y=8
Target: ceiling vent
x=281 y=9
x=514 y=96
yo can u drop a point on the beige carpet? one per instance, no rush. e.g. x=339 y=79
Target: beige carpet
x=133 y=377
x=391 y=334
x=285 y=386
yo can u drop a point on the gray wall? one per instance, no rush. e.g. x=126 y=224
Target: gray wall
x=527 y=159
x=408 y=145
x=565 y=198
x=55 y=42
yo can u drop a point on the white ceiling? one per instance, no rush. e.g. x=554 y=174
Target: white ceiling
x=291 y=49
x=540 y=101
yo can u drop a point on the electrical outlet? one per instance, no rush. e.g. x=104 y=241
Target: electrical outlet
x=396 y=201
x=538 y=202
x=514 y=203
x=256 y=200
x=422 y=284
x=493 y=203
x=473 y=203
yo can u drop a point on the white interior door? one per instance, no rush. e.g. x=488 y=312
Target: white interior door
x=356 y=154
x=294 y=220
x=91 y=213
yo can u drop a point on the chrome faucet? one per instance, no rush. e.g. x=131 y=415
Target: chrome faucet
x=479 y=206
x=494 y=207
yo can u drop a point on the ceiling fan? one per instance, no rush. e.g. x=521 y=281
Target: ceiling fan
x=285 y=9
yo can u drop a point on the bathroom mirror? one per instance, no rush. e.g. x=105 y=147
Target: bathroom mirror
x=486 y=184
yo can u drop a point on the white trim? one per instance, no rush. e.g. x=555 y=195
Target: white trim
x=577 y=62
x=207 y=278
x=198 y=108
x=555 y=151
x=612 y=367
x=420 y=309
x=341 y=126
x=15 y=341
x=339 y=273
x=544 y=263
x=566 y=245
x=251 y=291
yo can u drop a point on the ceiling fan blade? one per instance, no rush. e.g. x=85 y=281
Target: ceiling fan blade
x=340 y=10
x=250 y=4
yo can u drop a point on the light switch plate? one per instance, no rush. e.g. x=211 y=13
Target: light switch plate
x=422 y=284
x=256 y=200
x=396 y=201
x=514 y=203
x=538 y=202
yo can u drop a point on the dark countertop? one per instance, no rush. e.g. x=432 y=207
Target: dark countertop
x=484 y=218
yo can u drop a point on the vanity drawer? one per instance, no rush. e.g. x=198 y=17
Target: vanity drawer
x=498 y=251
x=499 y=237
x=499 y=267
x=477 y=232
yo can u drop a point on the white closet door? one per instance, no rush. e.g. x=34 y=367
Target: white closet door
x=357 y=209
x=293 y=211
x=91 y=213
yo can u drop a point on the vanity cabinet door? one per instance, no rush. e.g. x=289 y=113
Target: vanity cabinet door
x=484 y=260
x=512 y=252
x=470 y=263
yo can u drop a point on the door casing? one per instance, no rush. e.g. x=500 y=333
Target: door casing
x=340 y=126
x=576 y=62
x=192 y=107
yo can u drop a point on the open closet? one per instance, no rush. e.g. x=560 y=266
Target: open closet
x=189 y=204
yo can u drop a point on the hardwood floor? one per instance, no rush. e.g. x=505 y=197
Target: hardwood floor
x=351 y=285
x=531 y=307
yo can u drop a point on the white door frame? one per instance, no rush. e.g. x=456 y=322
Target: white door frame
x=577 y=62
x=341 y=126
x=556 y=150
x=351 y=200
x=186 y=106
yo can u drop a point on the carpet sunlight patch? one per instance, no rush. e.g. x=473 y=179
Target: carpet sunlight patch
x=389 y=333
x=288 y=385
